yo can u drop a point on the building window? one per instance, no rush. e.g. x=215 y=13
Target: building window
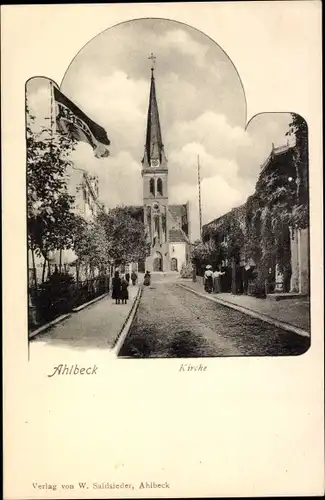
x=156 y=230
x=152 y=186
x=163 y=223
x=149 y=220
x=160 y=187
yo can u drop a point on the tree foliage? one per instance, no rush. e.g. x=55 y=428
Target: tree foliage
x=113 y=238
x=91 y=245
x=280 y=202
x=125 y=234
x=230 y=227
x=204 y=253
x=50 y=218
x=299 y=130
x=221 y=241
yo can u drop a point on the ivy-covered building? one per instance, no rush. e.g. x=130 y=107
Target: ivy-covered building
x=225 y=237
x=265 y=242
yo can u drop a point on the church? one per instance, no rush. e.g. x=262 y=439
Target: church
x=167 y=226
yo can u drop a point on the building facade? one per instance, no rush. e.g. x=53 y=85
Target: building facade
x=85 y=189
x=284 y=269
x=87 y=203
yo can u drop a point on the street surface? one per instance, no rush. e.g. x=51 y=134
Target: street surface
x=173 y=322
x=92 y=329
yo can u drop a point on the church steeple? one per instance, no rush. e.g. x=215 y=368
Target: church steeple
x=154 y=155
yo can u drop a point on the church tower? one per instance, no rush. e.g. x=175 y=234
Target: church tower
x=155 y=187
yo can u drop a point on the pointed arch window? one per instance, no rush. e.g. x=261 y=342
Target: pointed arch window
x=160 y=187
x=156 y=230
x=152 y=186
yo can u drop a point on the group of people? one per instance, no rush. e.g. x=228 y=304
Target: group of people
x=120 y=286
x=212 y=279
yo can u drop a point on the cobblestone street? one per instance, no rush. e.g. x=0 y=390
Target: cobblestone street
x=173 y=322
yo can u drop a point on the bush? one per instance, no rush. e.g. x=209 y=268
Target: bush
x=60 y=294
x=56 y=296
x=187 y=271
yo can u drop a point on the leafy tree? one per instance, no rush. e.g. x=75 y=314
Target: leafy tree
x=215 y=248
x=230 y=227
x=126 y=237
x=204 y=253
x=50 y=219
x=92 y=246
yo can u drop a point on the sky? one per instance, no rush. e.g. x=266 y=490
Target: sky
x=202 y=111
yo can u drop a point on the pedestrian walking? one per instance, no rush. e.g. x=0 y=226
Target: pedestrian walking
x=208 y=279
x=217 y=280
x=134 y=277
x=147 y=279
x=127 y=277
x=116 y=287
x=194 y=274
x=124 y=290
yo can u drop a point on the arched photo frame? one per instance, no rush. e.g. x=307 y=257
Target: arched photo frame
x=260 y=248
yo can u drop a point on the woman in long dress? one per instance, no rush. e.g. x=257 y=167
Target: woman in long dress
x=208 y=279
x=147 y=279
x=124 y=290
x=116 y=287
x=217 y=280
x=134 y=277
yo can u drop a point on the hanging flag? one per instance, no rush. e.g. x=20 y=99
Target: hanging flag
x=70 y=119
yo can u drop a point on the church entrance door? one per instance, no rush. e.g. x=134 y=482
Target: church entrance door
x=141 y=266
x=158 y=262
x=173 y=264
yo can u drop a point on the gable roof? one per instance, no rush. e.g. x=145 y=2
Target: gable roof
x=177 y=236
x=275 y=152
x=237 y=212
x=178 y=210
x=176 y=233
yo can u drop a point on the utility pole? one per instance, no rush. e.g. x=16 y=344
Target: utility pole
x=199 y=185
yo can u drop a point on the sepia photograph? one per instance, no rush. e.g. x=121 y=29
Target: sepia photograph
x=162 y=220
x=160 y=223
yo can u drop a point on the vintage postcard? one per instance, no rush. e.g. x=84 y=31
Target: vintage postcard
x=162 y=201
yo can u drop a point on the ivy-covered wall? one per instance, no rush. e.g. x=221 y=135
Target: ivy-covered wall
x=259 y=230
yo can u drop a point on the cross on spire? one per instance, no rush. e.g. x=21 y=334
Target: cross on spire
x=152 y=57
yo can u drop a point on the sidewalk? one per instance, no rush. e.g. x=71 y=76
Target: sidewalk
x=292 y=311
x=94 y=327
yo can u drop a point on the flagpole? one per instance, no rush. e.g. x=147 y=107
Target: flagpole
x=51 y=113
x=199 y=186
x=51 y=126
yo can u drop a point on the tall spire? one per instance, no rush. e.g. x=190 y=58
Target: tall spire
x=154 y=145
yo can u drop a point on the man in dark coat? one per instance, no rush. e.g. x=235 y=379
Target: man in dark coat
x=124 y=290
x=134 y=277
